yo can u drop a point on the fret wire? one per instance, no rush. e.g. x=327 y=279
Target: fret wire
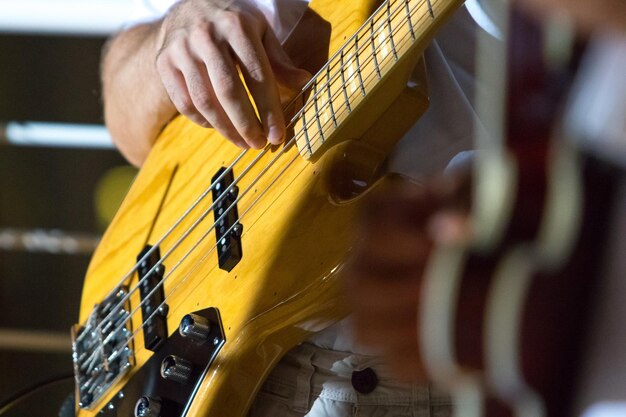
x=430 y=9
x=132 y=336
x=303 y=113
x=393 y=44
x=330 y=96
x=375 y=19
x=317 y=112
x=358 y=64
x=306 y=133
x=342 y=63
x=408 y=17
x=304 y=130
x=373 y=42
x=293 y=139
x=343 y=83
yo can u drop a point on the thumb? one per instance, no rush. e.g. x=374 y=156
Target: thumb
x=286 y=73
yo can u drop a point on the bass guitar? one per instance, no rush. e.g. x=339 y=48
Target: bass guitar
x=220 y=259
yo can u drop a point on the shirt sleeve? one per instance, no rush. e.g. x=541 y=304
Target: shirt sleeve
x=282 y=15
x=596 y=118
x=145 y=10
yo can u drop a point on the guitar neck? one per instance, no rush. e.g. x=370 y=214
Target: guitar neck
x=398 y=31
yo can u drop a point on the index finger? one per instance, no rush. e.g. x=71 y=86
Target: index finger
x=259 y=77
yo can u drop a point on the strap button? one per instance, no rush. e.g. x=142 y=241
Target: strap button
x=364 y=381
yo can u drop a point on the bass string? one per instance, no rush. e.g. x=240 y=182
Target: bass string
x=119 y=285
x=116 y=288
x=369 y=58
x=116 y=349
x=175 y=225
x=203 y=238
x=324 y=86
x=299 y=135
x=369 y=35
x=147 y=297
x=179 y=263
x=208 y=232
x=157 y=243
x=335 y=76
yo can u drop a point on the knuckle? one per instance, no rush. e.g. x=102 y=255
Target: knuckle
x=221 y=72
x=228 y=86
x=204 y=101
x=249 y=129
x=174 y=44
x=255 y=71
x=204 y=32
x=162 y=62
x=254 y=19
x=257 y=15
x=233 y=22
x=216 y=119
x=185 y=106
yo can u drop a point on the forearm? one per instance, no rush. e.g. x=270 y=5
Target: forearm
x=136 y=105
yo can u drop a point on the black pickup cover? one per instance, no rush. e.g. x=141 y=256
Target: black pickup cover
x=147 y=381
x=155 y=327
x=227 y=226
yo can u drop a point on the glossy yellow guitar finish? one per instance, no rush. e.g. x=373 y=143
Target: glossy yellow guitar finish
x=297 y=216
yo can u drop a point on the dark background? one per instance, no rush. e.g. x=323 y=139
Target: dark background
x=46 y=78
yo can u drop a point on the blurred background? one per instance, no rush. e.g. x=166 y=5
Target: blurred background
x=60 y=182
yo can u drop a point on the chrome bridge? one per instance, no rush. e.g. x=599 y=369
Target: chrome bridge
x=102 y=349
x=166 y=384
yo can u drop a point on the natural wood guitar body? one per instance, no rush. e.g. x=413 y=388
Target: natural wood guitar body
x=297 y=218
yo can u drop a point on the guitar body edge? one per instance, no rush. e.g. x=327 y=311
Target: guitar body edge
x=294 y=241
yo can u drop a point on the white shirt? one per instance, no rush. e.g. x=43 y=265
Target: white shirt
x=597 y=115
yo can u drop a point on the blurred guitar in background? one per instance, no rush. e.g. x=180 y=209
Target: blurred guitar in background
x=503 y=320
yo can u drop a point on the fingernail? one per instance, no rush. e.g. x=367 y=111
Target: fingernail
x=275 y=135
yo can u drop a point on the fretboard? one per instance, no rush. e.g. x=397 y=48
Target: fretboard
x=398 y=29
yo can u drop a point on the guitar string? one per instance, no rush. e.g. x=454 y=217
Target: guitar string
x=207 y=253
x=177 y=266
x=147 y=297
x=308 y=106
x=156 y=244
x=401 y=5
x=296 y=117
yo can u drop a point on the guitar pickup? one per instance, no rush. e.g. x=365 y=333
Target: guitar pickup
x=228 y=230
x=155 y=324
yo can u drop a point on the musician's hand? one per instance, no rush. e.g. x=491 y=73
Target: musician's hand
x=200 y=46
x=397 y=232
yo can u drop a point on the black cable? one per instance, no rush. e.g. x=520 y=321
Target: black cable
x=18 y=397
